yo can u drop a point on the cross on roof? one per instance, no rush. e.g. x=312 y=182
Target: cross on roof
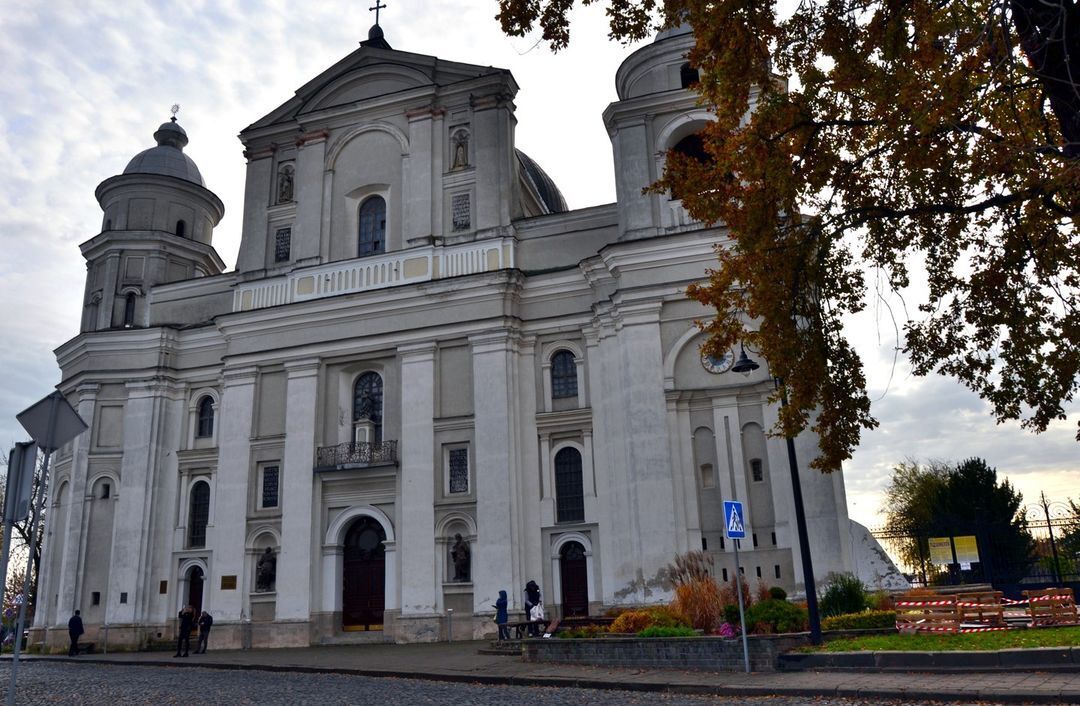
x=378 y=6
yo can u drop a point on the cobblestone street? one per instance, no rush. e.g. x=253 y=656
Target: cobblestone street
x=114 y=685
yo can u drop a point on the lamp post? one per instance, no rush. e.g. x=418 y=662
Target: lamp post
x=746 y=366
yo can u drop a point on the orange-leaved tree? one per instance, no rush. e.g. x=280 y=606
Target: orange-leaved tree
x=944 y=133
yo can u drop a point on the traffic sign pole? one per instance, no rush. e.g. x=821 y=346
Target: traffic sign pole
x=742 y=611
x=735 y=530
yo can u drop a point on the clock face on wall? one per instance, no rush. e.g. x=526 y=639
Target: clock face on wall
x=718 y=365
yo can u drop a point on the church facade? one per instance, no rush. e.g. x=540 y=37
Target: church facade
x=425 y=381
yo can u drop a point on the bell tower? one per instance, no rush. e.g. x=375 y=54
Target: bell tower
x=158 y=224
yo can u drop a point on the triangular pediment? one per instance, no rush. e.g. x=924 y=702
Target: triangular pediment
x=369 y=73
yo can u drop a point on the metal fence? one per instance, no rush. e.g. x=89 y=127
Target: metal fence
x=1041 y=548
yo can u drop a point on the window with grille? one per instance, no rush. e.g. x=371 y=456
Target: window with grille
x=205 y=427
x=372 y=226
x=282 y=244
x=569 y=492
x=459 y=470
x=563 y=375
x=368 y=402
x=757 y=473
x=270 y=475
x=198 y=514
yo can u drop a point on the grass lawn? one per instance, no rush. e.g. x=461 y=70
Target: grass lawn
x=998 y=640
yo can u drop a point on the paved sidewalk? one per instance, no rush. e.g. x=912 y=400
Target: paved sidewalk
x=461 y=662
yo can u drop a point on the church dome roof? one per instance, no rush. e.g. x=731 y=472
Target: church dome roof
x=545 y=187
x=168 y=158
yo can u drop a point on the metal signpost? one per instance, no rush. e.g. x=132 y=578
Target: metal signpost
x=20 y=483
x=51 y=423
x=735 y=530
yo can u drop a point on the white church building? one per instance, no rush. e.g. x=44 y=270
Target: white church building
x=419 y=341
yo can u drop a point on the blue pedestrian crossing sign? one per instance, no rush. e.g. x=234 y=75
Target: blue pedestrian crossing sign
x=734 y=526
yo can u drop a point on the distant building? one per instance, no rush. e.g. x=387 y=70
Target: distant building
x=419 y=341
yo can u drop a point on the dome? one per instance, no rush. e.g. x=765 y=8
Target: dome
x=677 y=31
x=168 y=158
x=545 y=187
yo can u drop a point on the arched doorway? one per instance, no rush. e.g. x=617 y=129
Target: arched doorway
x=195 y=589
x=574 y=575
x=363 y=593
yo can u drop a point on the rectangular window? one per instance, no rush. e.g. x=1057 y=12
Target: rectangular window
x=776 y=570
x=704 y=544
x=758 y=571
x=95 y=598
x=774 y=539
x=756 y=470
x=282 y=245
x=163 y=587
x=123 y=597
x=725 y=574
x=754 y=535
x=269 y=497
x=458 y=470
x=722 y=541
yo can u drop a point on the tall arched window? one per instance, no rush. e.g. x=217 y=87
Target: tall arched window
x=129 y=309
x=563 y=375
x=692 y=146
x=368 y=402
x=205 y=427
x=181 y=229
x=569 y=492
x=198 y=514
x=372 y=226
x=688 y=76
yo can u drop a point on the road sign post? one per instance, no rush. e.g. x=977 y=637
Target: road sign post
x=735 y=530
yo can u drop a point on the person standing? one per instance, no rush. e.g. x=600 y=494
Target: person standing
x=75 y=628
x=205 y=622
x=500 y=616
x=532 y=599
x=187 y=622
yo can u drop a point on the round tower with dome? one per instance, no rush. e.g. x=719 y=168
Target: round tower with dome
x=157 y=228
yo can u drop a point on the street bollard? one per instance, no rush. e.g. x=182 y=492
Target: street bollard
x=449 y=624
x=105 y=647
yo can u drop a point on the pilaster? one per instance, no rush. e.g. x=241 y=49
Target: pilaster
x=417 y=512
x=310 y=161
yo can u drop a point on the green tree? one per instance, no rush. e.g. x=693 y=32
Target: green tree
x=942 y=500
x=943 y=133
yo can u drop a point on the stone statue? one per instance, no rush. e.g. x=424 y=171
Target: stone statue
x=460 y=555
x=266 y=572
x=461 y=151
x=285 y=186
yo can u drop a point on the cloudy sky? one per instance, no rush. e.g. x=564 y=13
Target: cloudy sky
x=86 y=83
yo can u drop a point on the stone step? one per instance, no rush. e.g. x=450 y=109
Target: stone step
x=360 y=637
x=503 y=648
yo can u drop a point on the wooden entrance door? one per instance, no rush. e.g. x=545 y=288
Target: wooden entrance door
x=575 y=580
x=363 y=595
x=195 y=589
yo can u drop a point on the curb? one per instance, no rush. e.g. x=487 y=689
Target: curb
x=1047 y=659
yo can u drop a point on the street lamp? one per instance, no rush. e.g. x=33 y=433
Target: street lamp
x=746 y=366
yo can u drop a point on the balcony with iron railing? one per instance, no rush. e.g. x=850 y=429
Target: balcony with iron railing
x=356 y=454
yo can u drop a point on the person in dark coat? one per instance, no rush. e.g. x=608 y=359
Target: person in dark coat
x=532 y=598
x=187 y=622
x=75 y=628
x=205 y=622
x=500 y=616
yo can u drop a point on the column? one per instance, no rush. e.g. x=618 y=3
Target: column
x=416 y=535
x=417 y=177
x=67 y=578
x=497 y=497
x=227 y=532
x=295 y=567
x=310 y=162
x=258 y=186
x=729 y=457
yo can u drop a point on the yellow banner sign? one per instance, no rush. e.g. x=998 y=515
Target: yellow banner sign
x=940 y=551
x=967 y=549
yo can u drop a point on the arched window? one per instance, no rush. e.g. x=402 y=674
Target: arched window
x=372 y=226
x=688 y=76
x=181 y=229
x=368 y=403
x=198 y=514
x=205 y=427
x=569 y=492
x=692 y=146
x=563 y=375
x=129 y=309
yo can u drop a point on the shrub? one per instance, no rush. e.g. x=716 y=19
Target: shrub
x=881 y=600
x=634 y=621
x=844 y=593
x=777 y=594
x=666 y=631
x=584 y=632
x=731 y=614
x=700 y=602
x=727 y=630
x=861 y=621
x=729 y=593
x=776 y=617
x=690 y=567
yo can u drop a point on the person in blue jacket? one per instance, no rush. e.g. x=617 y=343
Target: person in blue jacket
x=500 y=616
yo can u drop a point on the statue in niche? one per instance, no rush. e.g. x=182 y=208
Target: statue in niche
x=461 y=150
x=266 y=572
x=285 y=186
x=460 y=555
